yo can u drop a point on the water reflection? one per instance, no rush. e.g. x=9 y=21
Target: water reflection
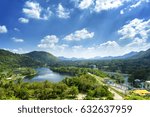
x=46 y=74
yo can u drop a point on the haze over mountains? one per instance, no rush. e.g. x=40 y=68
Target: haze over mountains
x=126 y=56
x=37 y=58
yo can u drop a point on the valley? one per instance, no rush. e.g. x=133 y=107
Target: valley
x=42 y=76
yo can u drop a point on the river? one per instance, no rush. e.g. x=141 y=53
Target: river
x=46 y=74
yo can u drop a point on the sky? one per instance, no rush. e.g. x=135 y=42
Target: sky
x=75 y=28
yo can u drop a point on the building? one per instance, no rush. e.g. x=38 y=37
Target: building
x=147 y=85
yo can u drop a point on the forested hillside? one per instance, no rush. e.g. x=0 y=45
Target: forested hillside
x=142 y=55
x=32 y=59
x=10 y=59
x=43 y=57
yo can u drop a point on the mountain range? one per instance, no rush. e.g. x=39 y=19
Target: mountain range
x=126 y=56
x=142 y=54
x=38 y=58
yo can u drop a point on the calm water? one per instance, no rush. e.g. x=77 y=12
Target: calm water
x=46 y=74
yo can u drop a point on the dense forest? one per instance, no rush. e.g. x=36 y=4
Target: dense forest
x=69 y=88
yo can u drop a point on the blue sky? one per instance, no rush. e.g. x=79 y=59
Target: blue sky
x=75 y=28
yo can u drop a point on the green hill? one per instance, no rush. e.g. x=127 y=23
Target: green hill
x=43 y=57
x=32 y=59
x=10 y=59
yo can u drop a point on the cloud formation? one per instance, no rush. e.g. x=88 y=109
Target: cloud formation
x=62 y=12
x=23 y=20
x=3 y=29
x=84 y=4
x=104 y=5
x=18 y=50
x=79 y=35
x=99 y=5
x=133 y=5
x=35 y=11
x=109 y=44
x=137 y=28
x=137 y=32
x=17 y=40
x=49 y=41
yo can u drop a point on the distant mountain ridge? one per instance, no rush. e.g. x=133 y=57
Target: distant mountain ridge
x=142 y=55
x=39 y=58
x=126 y=56
x=70 y=59
x=131 y=55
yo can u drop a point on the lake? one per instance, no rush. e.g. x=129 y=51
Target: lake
x=46 y=74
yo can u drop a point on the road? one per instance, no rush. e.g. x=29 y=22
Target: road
x=116 y=95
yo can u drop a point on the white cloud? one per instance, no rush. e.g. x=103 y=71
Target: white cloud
x=23 y=20
x=3 y=29
x=35 y=11
x=49 y=41
x=84 y=4
x=16 y=29
x=137 y=28
x=122 y=12
x=62 y=47
x=109 y=44
x=104 y=5
x=51 y=44
x=136 y=42
x=109 y=48
x=62 y=12
x=99 y=5
x=32 y=9
x=107 y=4
x=79 y=35
x=136 y=4
x=137 y=45
x=77 y=47
x=137 y=32
x=18 y=50
x=17 y=40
